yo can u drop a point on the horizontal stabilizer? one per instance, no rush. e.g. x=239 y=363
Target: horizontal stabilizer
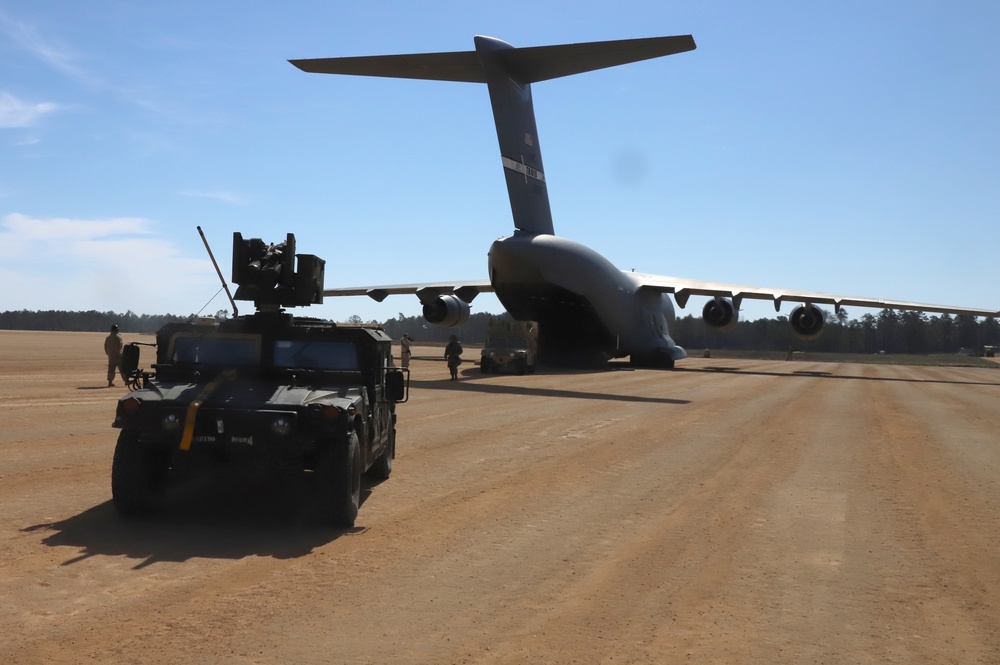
x=541 y=63
x=527 y=65
x=459 y=66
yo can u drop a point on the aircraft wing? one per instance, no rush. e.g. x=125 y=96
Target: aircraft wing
x=466 y=291
x=682 y=289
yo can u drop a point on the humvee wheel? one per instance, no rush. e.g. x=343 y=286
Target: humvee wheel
x=484 y=366
x=382 y=468
x=338 y=476
x=137 y=475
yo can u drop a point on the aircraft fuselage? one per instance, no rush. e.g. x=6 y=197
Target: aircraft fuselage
x=587 y=309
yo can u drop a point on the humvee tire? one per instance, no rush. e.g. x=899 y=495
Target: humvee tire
x=338 y=479
x=382 y=467
x=138 y=473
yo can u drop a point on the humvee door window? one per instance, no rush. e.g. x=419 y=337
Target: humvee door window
x=219 y=350
x=310 y=354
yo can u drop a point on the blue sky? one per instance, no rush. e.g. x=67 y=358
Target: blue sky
x=845 y=147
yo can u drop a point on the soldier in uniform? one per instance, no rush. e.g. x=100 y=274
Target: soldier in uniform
x=453 y=352
x=405 y=343
x=113 y=348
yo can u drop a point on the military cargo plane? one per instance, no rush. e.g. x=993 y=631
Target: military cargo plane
x=587 y=309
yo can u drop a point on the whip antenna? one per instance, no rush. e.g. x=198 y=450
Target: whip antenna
x=236 y=312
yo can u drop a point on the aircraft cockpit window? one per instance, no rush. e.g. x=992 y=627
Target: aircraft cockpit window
x=310 y=354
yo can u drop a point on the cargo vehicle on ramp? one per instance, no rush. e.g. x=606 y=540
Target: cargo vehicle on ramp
x=511 y=346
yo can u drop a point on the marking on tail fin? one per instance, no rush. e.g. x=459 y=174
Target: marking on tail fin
x=524 y=169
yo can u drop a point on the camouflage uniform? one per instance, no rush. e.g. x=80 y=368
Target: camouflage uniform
x=113 y=348
x=405 y=343
x=453 y=352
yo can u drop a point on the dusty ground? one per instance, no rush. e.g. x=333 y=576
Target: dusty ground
x=731 y=511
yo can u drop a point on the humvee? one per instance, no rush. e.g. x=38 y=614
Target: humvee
x=264 y=395
x=510 y=346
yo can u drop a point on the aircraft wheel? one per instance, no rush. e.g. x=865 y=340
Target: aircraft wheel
x=659 y=359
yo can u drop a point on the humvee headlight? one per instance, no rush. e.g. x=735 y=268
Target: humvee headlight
x=330 y=412
x=171 y=421
x=130 y=405
x=281 y=425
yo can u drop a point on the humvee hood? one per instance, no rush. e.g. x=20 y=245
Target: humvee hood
x=244 y=394
x=305 y=396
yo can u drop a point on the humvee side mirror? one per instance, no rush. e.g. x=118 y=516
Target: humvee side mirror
x=395 y=385
x=130 y=359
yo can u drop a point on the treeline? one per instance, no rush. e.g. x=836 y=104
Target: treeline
x=90 y=321
x=889 y=330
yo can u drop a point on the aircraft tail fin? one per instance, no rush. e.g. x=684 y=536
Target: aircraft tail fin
x=508 y=73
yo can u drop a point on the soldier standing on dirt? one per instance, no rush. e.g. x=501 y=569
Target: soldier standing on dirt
x=405 y=343
x=453 y=352
x=113 y=348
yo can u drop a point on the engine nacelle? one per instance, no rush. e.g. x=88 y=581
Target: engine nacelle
x=807 y=322
x=446 y=311
x=720 y=314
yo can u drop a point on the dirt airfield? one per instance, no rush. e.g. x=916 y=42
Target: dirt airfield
x=732 y=511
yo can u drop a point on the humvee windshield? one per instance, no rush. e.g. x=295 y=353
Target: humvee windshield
x=314 y=354
x=506 y=343
x=223 y=350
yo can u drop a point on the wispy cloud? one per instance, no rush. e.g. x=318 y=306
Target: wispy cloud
x=21 y=229
x=119 y=79
x=65 y=263
x=16 y=113
x=58 y=56
x=216 y=195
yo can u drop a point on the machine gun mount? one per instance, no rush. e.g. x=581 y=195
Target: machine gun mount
x=267 y=274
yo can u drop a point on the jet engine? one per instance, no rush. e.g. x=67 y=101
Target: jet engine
x=720 y=314
x=807 y=322
x=446 y=311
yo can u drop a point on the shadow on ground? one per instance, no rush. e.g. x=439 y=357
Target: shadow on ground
x=472 y=380
x=203 y=519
